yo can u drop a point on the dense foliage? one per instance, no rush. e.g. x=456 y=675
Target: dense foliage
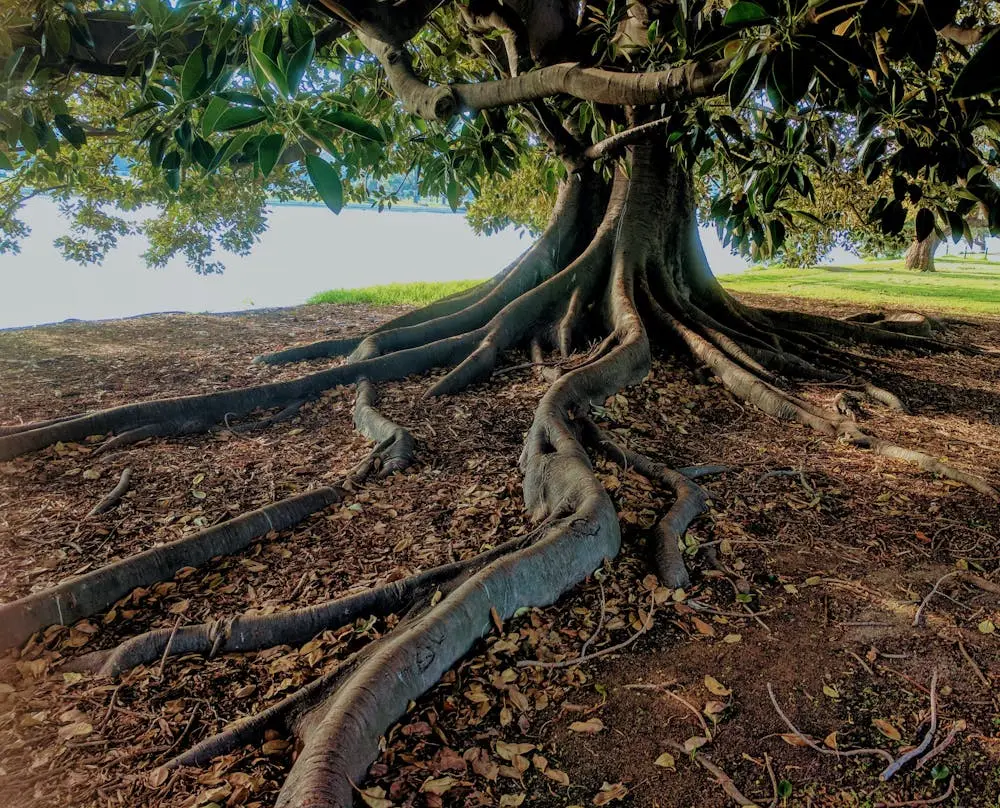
x=205 y=108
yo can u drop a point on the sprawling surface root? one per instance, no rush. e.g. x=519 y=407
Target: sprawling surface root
x=95 y=591
x=640 y=265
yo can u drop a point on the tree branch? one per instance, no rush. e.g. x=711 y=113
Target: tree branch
x=620 y=140
x=593 y=84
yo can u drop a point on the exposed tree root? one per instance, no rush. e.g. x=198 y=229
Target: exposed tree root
x=95 y=591
x=612 y=261
x=114 y=496
x=691 y=502
x=255 y=632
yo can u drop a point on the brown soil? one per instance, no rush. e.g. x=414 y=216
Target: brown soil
x=833 y=554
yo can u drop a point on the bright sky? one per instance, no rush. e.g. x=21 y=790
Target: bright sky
x=306 y=250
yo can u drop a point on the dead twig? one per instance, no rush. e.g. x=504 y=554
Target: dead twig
x=931 y=594
x=972 y=663
x=647 y=625
x=774 y=780
x=720 y=776
x=816 y=747
x=166 y=651
x=937 y=750
x=600 y=622
x=918 y=803
x=918 y=750
x=679 y=699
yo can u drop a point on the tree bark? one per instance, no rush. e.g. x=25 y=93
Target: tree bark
x=920 y=254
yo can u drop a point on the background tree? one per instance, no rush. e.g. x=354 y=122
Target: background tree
x=639 y=107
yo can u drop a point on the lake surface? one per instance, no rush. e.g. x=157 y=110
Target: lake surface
x=305 y=250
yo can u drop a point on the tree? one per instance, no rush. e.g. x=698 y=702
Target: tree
x=639 y=106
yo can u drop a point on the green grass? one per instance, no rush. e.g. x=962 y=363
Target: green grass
x=959 y=284
x=394 y=294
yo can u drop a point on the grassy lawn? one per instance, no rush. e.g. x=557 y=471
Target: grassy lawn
x=395 y=294
x=959 y=284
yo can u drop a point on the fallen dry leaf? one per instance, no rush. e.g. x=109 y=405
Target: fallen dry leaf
x=716 y=688
x=887 y=729
x=609 y=793
x=589 y=727
x=665 y=761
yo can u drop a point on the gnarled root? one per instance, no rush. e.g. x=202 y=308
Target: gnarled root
x=691 y=502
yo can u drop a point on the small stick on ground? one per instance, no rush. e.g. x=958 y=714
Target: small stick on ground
x=720 y=776
x=937 y=750
x=972 y=663
x=931 y=594
x=917 y=751
x=166 y=651
x=113 y=498
x=774 y=780
x=566 y=663
x=600 y=622
x=816 y=747
x=679 y=699
x=919 y=803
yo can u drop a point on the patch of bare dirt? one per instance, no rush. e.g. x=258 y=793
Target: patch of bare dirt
x=808 y=572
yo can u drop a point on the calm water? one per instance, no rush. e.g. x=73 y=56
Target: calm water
x=305 y=250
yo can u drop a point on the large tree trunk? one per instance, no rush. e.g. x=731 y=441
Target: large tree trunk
x=920 y=254
x=617 y=269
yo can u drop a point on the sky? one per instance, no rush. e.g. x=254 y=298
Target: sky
x=305 y=250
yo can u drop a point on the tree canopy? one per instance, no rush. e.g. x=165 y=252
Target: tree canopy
x=113 y=105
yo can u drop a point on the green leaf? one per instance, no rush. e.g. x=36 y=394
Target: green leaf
x=238 y=118
x=210 y=117
x=745 y=13
x=270 y=70
x=172 y=170
x=297 y=65
x=352 y=123
x=454 y=194
x=5 y=163
x=980 y=74
x=299 y=31
x=139 y=109
x=925 y=223
x=957 y=224
x=231 y=147
x=791 y=73
x=192 y=74
x=326 y=181
x=784 y=789
x=203 y=153
x=12 y=62
x=69 y=129
x=745 y=79
x=269 y=153
x=245 y=99
x=162 y=96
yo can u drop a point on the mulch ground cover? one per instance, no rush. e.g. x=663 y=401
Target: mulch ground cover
x=808 y=572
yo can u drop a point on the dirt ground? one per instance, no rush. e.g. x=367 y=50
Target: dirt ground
x=822 y=554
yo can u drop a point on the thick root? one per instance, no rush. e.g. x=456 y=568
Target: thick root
x=95 y=591
x=255 y=632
